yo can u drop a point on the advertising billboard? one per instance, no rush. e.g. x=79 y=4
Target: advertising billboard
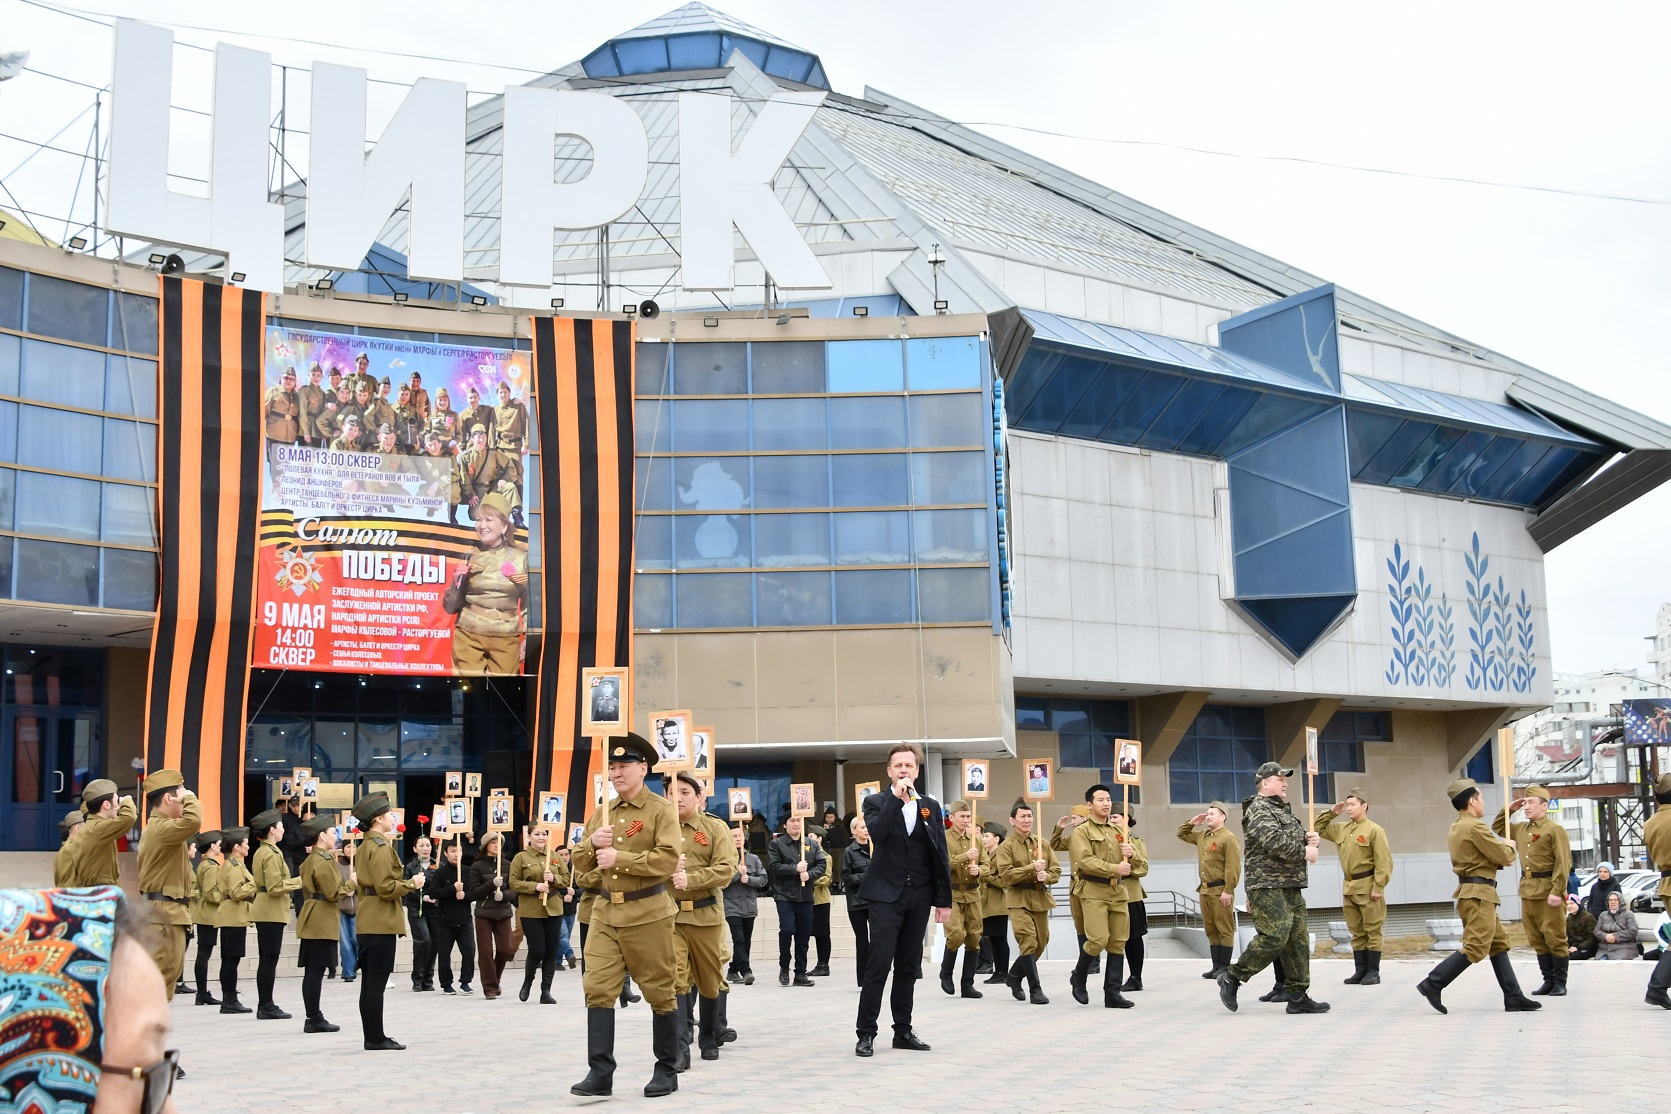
x=1648 y=722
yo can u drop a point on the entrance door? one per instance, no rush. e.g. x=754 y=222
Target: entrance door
x=46 y=758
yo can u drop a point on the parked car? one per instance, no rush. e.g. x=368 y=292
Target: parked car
x=1641 y=891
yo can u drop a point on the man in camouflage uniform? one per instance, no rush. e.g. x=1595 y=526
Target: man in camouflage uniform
x=1656 y=837
x=1278 y=851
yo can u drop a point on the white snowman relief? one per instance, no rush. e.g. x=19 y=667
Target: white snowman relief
x=712 y=488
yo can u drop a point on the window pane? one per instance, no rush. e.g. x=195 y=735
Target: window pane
x=948 y=420
x=379 y=745
x=869 y=481
x=534 y=538
x=943 y=363
x=1030 y=712
x=791 y=482
x=944 y=537
x=130 y=579
x=69 y=310
x=52 y=572
x=654 y=477
x=874 y=596
x=431 y=746
x=57 y=506
x=1183 y=786
x=652 y=426
x=130 y=450
x=652 y=602
x=8 y=431
x=8 y=497
x=793 y=599
x=789 y=423
x=59 y=439
x=11 y=298
x=710 y=426
x=278 y=743
x=130 y=386
x=710 y=368
x=650 y=369
x=714 y=484
x=872 y=538
x=791 y=539
x=653 y=548
x=333 y=748
x=949 y=478
x=134 y=327
x=715 y=600
x=6 y=548
x=11 y=349
x=954 y=595
x=866 y=365
x=1070 y=717
x=867 y=423
x=59 y=373
x=788 y=367
x=712 y=541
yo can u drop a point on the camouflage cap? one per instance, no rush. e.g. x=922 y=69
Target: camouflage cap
x=98 y=787
x=1458 y=787
x=632 y=747
x=163 y=779
x=1537 y=791
x=1272 y=769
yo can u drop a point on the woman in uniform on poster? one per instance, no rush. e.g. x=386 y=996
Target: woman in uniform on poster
x=489 y=596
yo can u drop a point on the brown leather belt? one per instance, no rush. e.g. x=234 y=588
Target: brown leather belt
x=1361 y=875
x=618 y=897
x=700 y=903
x=1475 y=880
x=309 y=895
x=1665 y=874
x=1541 y=874
x=165 y=897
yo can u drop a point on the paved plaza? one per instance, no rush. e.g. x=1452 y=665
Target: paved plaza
x=1382 y=1048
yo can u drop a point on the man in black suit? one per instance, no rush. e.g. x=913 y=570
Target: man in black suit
x=909 y=875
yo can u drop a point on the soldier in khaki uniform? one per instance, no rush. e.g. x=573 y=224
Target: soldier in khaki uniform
x=1100 y=854
x=475 y=414
x=539 y=879
x=1137 y=856
x=1545 y=862
x=205 y=906
x=964 y=858
x=1476 y=857
x=484 y=471
x=489 y=596
x=319 y=927
x=1219 y=864
x=282 y=409
x=337 y=405
x=1027 y=870
x=271 y=909
x=165 y=868
x=995 y=921
x=442 y=416
x=63 y=863
x=109 y=818
x=234 y=890
x=510 y=422
x=312 y=398
x=1656 y=837
x=1366 y=867
x=636 y=854
x=707 y=862
x=419 y=397
x=381 y=918
x=349 y=439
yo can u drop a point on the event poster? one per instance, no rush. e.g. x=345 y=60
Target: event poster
x=1648 y=722
x=392 y=532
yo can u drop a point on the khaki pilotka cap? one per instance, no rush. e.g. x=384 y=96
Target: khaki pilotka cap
x=1458 y=787
x=370 y=807
x=313 y=828
x=1358 y=793
x=163 y=779
x=98 y=787
x=1535 y=791
x=1662 y=788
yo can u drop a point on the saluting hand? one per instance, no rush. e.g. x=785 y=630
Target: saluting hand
x=1197 y=820
x=1338 y=807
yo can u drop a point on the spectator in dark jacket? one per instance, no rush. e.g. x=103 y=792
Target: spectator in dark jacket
x=1596 y=903
x=417 y=904
x=855 y=860
x=450 y=923
x=1616 y=930
x=794 y=862
x=490 y=888
x=290 y=846
x=742 y=900
x=1581 y=927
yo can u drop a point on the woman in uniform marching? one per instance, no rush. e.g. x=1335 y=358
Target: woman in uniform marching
x=203 y=912
x=234 y=888
x=319 y=928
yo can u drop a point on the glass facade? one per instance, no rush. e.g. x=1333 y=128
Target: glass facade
x=811 y=483
x=1218 y=755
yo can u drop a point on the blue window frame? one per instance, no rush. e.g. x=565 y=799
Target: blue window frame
x=1217 y=757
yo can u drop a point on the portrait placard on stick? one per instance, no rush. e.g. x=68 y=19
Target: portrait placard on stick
x=803 y=799
x=601 y=785
x=498 y=792
x=553 y=811
x=455 y=784
x=299 y=775
x=702 y=751
x=861 y=790
x=399 y=815
x=1311 y=751
x=472 y=785
x=440 y=827
x=604 y=701
x=286 y=790
x=1128 y=762
x=1041 y=783
x=739 y=808
x=499 y=813
x=977 y=779
x=576 y=831
x=670 y=734
x=310 y=791
x=459 y=821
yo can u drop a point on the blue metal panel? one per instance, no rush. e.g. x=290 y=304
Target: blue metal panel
x=1271 y=414
x=1296 y=334
x=601 y=62
x=1427 y=454
x=1525 y=458
x=1297 y=623
x=642 y=55
x=1366 y=434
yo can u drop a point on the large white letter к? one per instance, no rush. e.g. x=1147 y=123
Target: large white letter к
x=719 y=188
x=236 y=219
x=533 y=205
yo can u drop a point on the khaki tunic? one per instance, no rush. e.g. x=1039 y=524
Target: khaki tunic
x=510 y=426
x=208 y=895
x=964 y=928
x=273 y=884
x=481 y=473
x=378 y=412
x=1545 y=862
x=1133 y=882
x=63 y=863
x=1096 y=853
x=1366 y=867
x=1218 y=861
x=420 y=402
x=322 y=887
x=282 y=411
x=992 y=892
x=527 y=871
x=1027 y=900
x=476 y=415
x=1656 y=837
x=632 y=935
x=236 y=887
x=95 y=847
x=699 y=931
x=382 y=885
x=1476 y=853
x=313 y=405
x=165 y=863
x=327 y=424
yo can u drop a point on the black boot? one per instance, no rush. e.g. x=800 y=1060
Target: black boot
x=1360 y=960
x=1513 y=1000
x=1228 y=985
x=545 y=989
x=664 y=1038
x=966 y=987
x=528 y=974
x=600 y=1055
x=319 y=1025
x=1659 y=982
x=627 y=996
x=1558 y=973
x=1076 y=981
x=1017 y=973
x=1544 y=968
x=270 y=1012
x=1035 y=993
x=1440 y=977
x=681 y=1011
x=1220 y=960
x=1096 y=960
x=230 y=1004
x=204 y=998
x=722 y=1027
x=1305 y=1004
x=985 y=966
x=947 y=962
x=1279 y=992
x=1112 y=975
x=1371 y=969
x=707 y=1033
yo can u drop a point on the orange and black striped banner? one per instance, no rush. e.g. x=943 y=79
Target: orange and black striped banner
x=209 y=465
x=583 y=382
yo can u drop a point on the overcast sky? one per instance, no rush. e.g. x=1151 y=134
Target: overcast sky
x=1547 y=95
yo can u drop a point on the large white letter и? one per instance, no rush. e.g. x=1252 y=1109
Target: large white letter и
x=719 y=187
x=236 y=219
x=351 y=194
x=533 y=204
